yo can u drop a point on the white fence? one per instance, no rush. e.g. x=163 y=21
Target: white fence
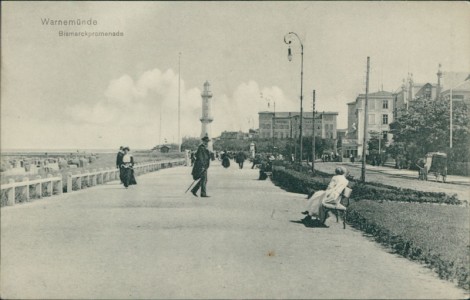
x=39 y=187
x=44 y=187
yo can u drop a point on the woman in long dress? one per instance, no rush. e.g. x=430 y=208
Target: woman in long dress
x=330 y=197
x=128 y=168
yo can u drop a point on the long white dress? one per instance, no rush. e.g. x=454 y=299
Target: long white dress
x=331 y=197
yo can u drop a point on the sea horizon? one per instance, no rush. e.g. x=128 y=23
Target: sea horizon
x=64 y=150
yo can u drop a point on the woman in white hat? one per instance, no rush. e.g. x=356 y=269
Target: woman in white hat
x=128 y=168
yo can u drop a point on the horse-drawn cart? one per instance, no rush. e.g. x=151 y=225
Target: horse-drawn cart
x=434 y=163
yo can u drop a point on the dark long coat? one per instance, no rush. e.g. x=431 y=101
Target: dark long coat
x=202 y=162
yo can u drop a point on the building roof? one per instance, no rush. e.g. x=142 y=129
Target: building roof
x=377 y=94
x=284 y=114
x=462 y=87
x=453 y=79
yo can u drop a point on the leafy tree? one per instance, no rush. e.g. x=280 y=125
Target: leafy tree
x=377 y=147
x=424 y=128
x=232 y=145
x=321 y=145
x=190 y=143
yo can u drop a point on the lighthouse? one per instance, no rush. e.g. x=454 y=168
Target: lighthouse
x=206 y=118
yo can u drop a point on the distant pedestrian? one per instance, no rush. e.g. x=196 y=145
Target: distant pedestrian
x=256 y=161
x=119 y=157
x=225 y=159
x=240 y=159
x=128 y=168
x=193 y=158
x=200 y=167
x=265 y=168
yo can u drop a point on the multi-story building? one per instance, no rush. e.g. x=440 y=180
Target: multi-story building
x=385 y=107
x=460 y=91
x=446 y=81
x=379 y=115
x=411 y=91
x=283 y=125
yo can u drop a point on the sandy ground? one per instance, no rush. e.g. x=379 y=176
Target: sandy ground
x=154 y=241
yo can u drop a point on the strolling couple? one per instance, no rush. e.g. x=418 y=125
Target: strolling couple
x=125 y=164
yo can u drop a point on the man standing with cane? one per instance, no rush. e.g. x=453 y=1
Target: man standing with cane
x=200 y=167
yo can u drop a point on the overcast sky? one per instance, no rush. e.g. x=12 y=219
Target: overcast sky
x=103 y=92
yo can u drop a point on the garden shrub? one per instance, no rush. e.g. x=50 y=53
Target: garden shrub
x=300 y=182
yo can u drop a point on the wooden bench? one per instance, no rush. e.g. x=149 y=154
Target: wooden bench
x=337 y=211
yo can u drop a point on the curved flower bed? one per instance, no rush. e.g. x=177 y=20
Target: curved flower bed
x=305 y=183
x=405 y=220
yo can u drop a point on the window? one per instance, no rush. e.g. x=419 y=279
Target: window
x=371 y=104
x=384 y=119
x=371 y=119
x=384 y=135
x=385 y=104
x=427 y=93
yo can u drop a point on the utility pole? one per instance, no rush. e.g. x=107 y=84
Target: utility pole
x=450 y=144
x=364 y=140
x=179 y=102
x=380 y=136
x=313 y=135
x=160 y=129
x=274 y=123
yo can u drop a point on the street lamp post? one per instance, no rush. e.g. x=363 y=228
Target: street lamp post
x=313 y=134
x=288 y=40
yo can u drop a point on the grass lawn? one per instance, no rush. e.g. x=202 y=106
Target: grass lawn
x=437 y=235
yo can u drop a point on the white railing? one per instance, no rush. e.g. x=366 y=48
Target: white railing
x=101 y=176
x=53 y=185
x=39 y=187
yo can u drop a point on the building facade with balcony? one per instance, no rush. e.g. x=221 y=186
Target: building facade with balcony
x=380 y=113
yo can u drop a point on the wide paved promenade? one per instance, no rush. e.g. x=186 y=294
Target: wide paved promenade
x=154 y=241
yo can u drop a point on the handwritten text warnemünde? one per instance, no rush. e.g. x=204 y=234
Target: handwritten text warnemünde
x=69 y=22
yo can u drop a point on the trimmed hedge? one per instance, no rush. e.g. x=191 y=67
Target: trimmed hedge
x=298 y=182
x=435 y=235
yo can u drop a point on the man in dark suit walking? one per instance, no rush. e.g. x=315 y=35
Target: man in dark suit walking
x=119 y=157
x=200 y=167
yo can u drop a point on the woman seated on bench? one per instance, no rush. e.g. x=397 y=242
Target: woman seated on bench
x=265 y=169
x=330 y=198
